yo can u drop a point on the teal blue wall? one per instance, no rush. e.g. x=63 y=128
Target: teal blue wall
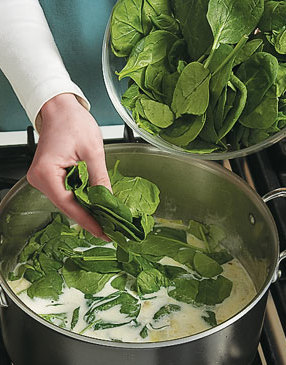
x=78 y=27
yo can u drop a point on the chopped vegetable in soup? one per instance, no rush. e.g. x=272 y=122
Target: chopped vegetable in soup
x=142 y=300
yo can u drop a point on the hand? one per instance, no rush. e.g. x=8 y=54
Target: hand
x=69 y=134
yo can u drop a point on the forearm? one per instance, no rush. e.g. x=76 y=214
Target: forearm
x=29 y=57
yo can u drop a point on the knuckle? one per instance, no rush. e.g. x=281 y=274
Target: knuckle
x=103 y=180
x=34 y=176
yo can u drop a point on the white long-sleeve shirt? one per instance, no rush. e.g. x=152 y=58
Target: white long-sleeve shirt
x=29 y=57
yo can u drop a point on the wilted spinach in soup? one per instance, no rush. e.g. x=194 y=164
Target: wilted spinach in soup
x=207 y=75
x=175 y=281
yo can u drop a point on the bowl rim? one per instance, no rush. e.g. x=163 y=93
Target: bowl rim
x=209 y=165
x=159 y=142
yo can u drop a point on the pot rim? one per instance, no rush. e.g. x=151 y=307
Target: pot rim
x=208 y=165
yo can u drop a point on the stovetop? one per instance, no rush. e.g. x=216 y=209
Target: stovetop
x=264 y=171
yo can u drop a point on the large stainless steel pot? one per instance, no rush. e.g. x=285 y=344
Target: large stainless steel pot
x=190 y=189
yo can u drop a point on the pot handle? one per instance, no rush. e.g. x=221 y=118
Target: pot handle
x=277 y=273
x=3 y=300
x=273 y=194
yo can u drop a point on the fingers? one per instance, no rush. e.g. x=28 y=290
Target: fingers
x=53 y=187
x=97 y=170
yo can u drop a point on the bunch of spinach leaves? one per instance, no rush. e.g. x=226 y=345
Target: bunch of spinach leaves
x=127 y=210
x=59 y=255
x=205 y=75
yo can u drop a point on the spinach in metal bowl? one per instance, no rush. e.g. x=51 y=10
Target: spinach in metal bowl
x=206 y=76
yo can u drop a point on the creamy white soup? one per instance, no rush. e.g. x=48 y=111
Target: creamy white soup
x=178 y=318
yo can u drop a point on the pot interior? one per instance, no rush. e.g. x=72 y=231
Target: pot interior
x=190 y=189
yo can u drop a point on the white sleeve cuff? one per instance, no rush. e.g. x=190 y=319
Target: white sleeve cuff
x=47 y=91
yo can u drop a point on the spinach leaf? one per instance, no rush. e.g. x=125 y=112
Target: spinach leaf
x=129 y=305
x=273 y=17
x=280 y=81
x=221 y=257
x=156 y=113
x=220 y=79
x=165 y=311
x=47 y=264
x=47 y=287
x=114 y=174
x=144 y=332
x=18 y=273
x=126 y=26
x=99 y=259
x=112 y=223
x=237 y=109
x=208 y=133
x=173 y=272
x=278 y=39
x=58 y=319
x=215 y=236
x=146 y=221
x=258 y=74
x=202 y=147
x=119 y=282
x=213 y=291
x=265 y=113
x=166 y=22
x=153 y=77
x=89 y=239
x=122 y=255
x=150 y=281
x=184 y=130
x=130 y=96
x=151 y=9
x=137 y=265
x=138 y=194
x=169 y=82
x=77 y=181
x=191 y=95
x=75 y=317
x=162 y=246
x=169 y=232
x=32 y=275
x=102 y=197
x=247 y=50
x=228 y=19
x=195 y=27
x=101 y=325
x=85 y=281
x=149 y=50
x=158 y=7
x=210 y=234
x=210 y=318
x=198 y=229
x=145 y=124
x=230 y=98
x=177 y=55
x=186 y=290
x=206 y=266
x=31 y=247
x=133 y=198
x=220 y=109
